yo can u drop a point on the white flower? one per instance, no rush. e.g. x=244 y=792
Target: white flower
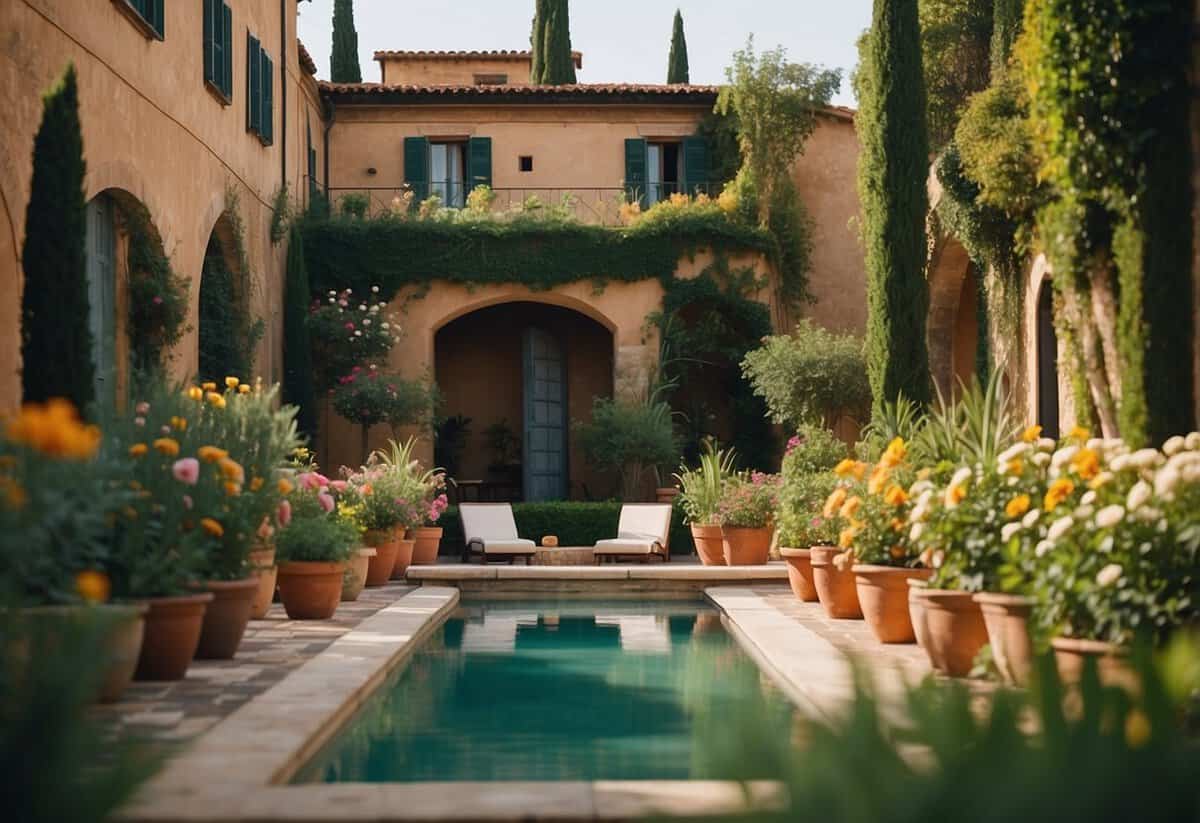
x=374 y=310
x=916 y=531
x=371 y=367
x=1120 y=463
x=1031 y=518
x=1046 y=444
x=1146 y=514
x=1166 y=481
x=1013 y=451
x=1145 y=458
x=375 y=289
x=1040 y=460
x=333 y=300
x=1043 y=548
x=1192 y=441
x=1059 y=527
x=1096 y=443
x=920 y=488
x=1009 y=531
x=1174 y=445
x=1084 y=512
x=1109 y=575
x=366 y=321
x=1088 y=498
x=1109 y=516
x=1139 y=495
x=1063 y=456
x=357 y=333
x=385 y=325
x=332 y=293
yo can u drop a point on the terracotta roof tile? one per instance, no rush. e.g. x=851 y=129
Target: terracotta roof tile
x=486 y=54
x=306 y=61
x=591 y=91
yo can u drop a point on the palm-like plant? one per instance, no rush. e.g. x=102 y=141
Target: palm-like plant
x=701 y=488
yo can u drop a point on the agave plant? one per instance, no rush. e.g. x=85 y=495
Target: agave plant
x=701 y=488
x=972 y=429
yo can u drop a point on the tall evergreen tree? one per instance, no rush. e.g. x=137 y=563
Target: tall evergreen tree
x=892 y=172
x=537 y=40
x=343 y=60
x=56 y=339
x=297 y=350
x=1006 y=27
x=558 y=61
x=677 y=62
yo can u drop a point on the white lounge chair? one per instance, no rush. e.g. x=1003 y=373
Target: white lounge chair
x=490 y=530
x=643 y=532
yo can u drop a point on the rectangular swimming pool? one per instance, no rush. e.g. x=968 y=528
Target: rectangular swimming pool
x=565 y=690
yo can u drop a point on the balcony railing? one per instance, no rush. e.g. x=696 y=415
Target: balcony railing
x=597 y=206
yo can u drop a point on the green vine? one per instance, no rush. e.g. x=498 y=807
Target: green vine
x=158 y=297
x=281 y=214
x=229 y=333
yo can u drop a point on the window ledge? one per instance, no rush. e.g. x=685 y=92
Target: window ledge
x=217 y=93
x=148 y=31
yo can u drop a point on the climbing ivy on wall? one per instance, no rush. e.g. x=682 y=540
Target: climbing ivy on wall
x=158 y=297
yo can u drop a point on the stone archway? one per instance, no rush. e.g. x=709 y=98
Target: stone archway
x=952 y=326
x=225 y=334
x=1046 y=377
x=11 y=281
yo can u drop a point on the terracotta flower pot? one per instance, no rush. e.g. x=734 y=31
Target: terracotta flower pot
x=1071 y=656
x=709 y=544
x=1007 y=619
x=800 y=574
x=883 y=596
x=226 y=617
x=835 y=587
x=122 y=646
x=379 y=567
x=404 y=554
x=355 y=577
x=956 y=630
x=916 y=611
x=310 y=590
x=426 y=541
x=746 y=546
x=666 y=494
x=173 y=627
x=263 y=563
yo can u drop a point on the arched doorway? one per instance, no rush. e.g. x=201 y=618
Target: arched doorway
x=952 y=327
x=101 y=252
x=1047 y=362
x=226 y=333
x=513 y=377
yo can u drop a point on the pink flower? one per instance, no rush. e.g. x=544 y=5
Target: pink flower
x=312 y=481
x=142 y=408
x=139 y=421
x=350 y=326
x=326 y=501
x=157 y=300
x=186 y=470
x=187 y=502
x=339 y=486
x=284 y=513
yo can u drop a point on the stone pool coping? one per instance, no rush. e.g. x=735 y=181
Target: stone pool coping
x=238 y=770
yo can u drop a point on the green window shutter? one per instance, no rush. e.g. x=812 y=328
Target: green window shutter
x=158 y=19
x=695 y=165
x=211 y=36
x=268 y=100
x=479 y=161
x=253 y=85
x=416 y=165
x=227 y=51
x=635 y=169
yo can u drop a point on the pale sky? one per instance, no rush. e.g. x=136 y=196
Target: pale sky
x=621 y=40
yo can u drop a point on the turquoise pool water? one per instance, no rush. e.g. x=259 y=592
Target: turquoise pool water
x=560 y=691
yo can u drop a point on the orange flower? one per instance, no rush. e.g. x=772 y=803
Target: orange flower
x=897 y=524
x=1017 y=506
x=55 y=430
x=1079 y=433
x=209 y=386
x=179 y=423
x=14 y=495
x=850 y=507
x=846 y=538
x=211 y=454
x=285 y=486
x=955 y=495
x=93 y=586
x=138 y=450
x=195 y=393
x=231 y=470
x=244 y=388
x=832 y=503
x=894 y=455
x=256 y=484
x=1059 y=491
x=231 y=382
x=215 y=400
x=166 y=446
x=897 y=552
x=1086 y=463
x=895 y=495
x=1031 y=434
x=232 y=489
x=879 y=478
x=851 y=468
x=211 y=527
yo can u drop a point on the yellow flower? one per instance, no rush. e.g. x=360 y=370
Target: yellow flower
x=256 y=484
x=211 y=527
x=895 y=495
x=231 y=382
x=231 y=470
x=1059 y=491
x=166 y=446
x=1137 y=729
x=244 y=388
x=216 y=400
x=93 y=586
x=850 y=507
x=138 y=450
x=285 y=486
x=1031 y=434
x=232 y=489
x=1014 y=466
x=211 y=454
x=1079 y=433
x=846 y=538
x=894 y=455
x=208 y=386
x=1086 y=463
x=879 y=478
x=55 y=430
x=195 y=393
x=955 y=495
x=14 y=495
x=1017 y=506
x=179 y=423
x=851 y=468
x=897 y=524
x=897 y=552
x=832 y=504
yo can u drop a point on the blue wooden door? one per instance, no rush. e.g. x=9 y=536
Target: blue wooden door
x=101 y=274
x=545 y=452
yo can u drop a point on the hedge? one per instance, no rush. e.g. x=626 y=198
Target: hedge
x=575 y=523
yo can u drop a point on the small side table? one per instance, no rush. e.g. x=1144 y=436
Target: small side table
x=564 y=556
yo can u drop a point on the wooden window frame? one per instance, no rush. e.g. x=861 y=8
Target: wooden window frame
x=139 y=21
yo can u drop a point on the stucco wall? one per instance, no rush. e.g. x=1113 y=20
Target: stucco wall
x=152 y=129
x=442 y=71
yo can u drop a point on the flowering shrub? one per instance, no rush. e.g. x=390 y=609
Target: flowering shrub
x=367 y=397
x=806 y=481
x=701 y=488
x=749 y=501
x=346 y=332
x=872 y=505
x=317 y=531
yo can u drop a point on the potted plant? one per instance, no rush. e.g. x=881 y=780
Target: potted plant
x=807 y=481
x=505 y=447
x=426 y=535
x=629 y=436
x=700 y=494
x=346 y=330
x=746 y=513
x=313 y=550
x=56 y=496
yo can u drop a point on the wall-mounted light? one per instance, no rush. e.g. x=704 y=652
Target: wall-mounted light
x=372 y=171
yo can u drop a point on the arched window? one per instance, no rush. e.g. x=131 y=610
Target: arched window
x=1047 y=363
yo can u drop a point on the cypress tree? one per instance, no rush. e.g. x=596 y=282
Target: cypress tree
x=56 y=339
x=537 y=41
x=297 y=349
x=558 y=62
x=1006 y=27
x=892 y=171
x=343 y=60
x=677 y=62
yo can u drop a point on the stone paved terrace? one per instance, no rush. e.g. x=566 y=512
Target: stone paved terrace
x=174 y=713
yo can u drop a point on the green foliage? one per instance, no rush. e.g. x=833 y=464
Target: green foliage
x=368 y=397
x=298 y=387
x=814 y=449
x=346 y=332
x=892 y=172
x=281 y=213
x=810 y=376
x=56 y=339
x=748 y=501
x=955 y=52
x=343 y=59
x=354 y=204
x=807 y=483
x=792 y=227
x=227 y=336
x=701 y=488
x=450 y=441
x=776 y=103
x=317 y=539
x=59 y=756
x=1006 y=28
x=720 y=133
x=628 y=437
x=995 y=142
x=158 y=297
x=677 y=60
